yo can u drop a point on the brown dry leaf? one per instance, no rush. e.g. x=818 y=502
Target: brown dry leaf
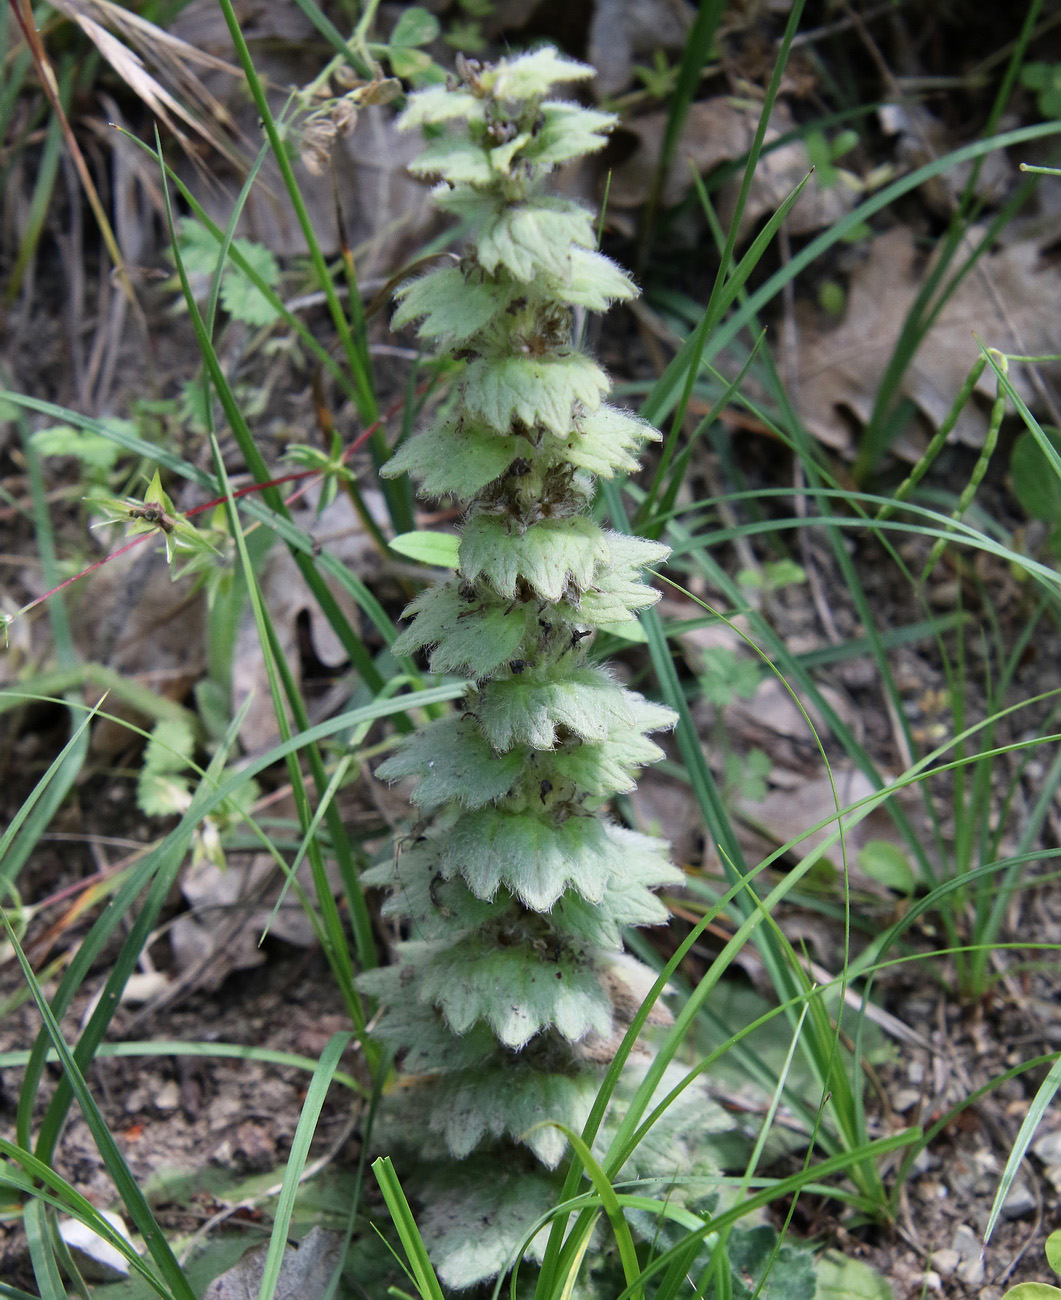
x=366 y=185
x=133 y=618
x=173 y=92
x=231 y=908
x=785 y=815
x=287 y=598
x=840 y=370
x=717 y=131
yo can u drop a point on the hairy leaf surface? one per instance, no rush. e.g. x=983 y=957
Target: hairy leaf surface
x=456 y=1212
x=468 y=636
x=608 y=441
x=438 y=104
x=515 y=992
x=536 y=390
x=593 y=281
x=549 y=555
x=454 y=763
x=512 y=1102
x=531 y=856
x=450 y=307
x=455 y=459
x=567 y=131
x=531 y=238
x=532 y=708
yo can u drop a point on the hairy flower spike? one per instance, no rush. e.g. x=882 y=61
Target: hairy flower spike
x=511 y=991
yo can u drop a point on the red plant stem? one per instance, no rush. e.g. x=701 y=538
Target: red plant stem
x=208 y=505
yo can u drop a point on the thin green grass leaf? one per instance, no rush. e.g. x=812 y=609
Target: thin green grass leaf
x=42 y=1251
x=30 y=821
x=177 y=1047
x=125 y=1184
x=1044 y=1095
x=408 y=1233
x=610 y=1204
x=316 y=1095
x=44 y=1187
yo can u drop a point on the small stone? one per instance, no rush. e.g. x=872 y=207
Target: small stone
x=906 y=1099
x=1019 y=1201
x=97 y=1259
x=966 y=1243
x=945 y=1261
x=168 y=1096
x=1048 y=1147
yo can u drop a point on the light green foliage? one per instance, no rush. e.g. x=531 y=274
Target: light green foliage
x=1041 y=1290
x=97 y=454
x=240 y=296
x=1036 y=482
x=162 y=786
x=725 y=676
x=511 y=992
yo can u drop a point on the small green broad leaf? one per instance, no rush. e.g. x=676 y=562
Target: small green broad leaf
x=415 y=26
x=428 y=547
x=887 y=863
x=240 y=296
x=93 y=450
x=843 y=1278
x=162 y=787
x=1036 y=482
x=1053 y=1250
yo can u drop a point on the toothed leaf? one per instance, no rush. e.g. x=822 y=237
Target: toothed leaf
x=537 y=391
x=593 y=281
x=608 y=441
x=455 y=460
x=533 y=74
x=456 y=160
x=471 y=637
x=513 y=1102
x=515 y=991
x=454 y=1220
x=531 y=856
x=531 y=238
x=568 y=131
x=450 y=307
x=454 y=763
x=439 y=104
x=531 y=708
x=550 y=556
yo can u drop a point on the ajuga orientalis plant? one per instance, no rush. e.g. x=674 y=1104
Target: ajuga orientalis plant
x=512 y=991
